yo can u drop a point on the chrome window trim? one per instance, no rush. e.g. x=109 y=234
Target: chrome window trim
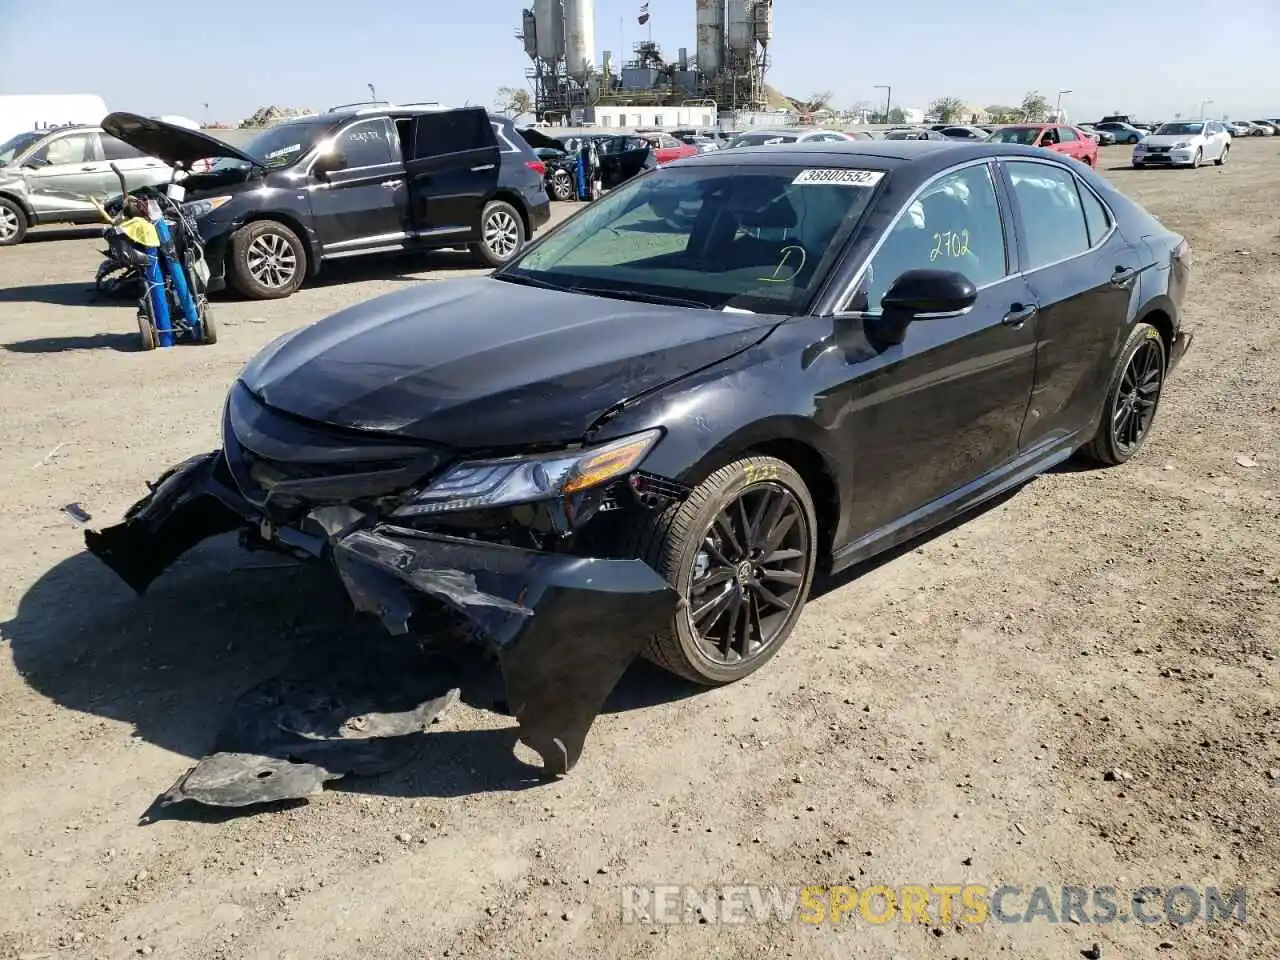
x=852 y=287
x=1080 y=183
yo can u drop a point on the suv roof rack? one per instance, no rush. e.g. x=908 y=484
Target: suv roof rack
x=359 y=104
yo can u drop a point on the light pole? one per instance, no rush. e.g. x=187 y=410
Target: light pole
x=888 y=98
x=1057 y=111
x=206 y=114
x=1204 y=103
x=373 y=93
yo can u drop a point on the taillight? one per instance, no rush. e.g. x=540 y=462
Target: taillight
x=1182 y=253
x=537 y=166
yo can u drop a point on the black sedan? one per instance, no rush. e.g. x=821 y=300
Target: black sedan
x=649 y=433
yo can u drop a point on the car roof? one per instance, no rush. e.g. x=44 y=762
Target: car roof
x=924 y=157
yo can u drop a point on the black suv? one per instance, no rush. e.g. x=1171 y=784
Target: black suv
x=350 y=182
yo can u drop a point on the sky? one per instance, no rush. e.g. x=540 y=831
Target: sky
x=1148 y=58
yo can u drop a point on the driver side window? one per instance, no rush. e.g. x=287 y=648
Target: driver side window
x=954 y=225
x=73 y=148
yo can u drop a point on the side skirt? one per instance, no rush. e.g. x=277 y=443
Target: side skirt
x=1014 y=473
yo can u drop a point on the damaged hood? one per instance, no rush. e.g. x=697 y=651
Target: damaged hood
x=486 y=363
x=175 y=145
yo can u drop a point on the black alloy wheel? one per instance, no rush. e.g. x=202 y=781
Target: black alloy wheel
x=741 y=551
x=1132 y=400
x=750 y=574
x=1135 y=402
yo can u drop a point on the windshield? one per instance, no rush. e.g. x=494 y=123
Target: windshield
x=1023 y=135
x=1180 y=129
x=755 y=238
x=283 y=144
x=760 y=139
x=15 y=145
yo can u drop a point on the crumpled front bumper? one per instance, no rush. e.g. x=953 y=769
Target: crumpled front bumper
x=563 y=628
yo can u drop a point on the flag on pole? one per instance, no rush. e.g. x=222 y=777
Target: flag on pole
x=644 y=14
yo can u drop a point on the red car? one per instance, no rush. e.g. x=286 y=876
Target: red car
x=667 y=148
x=1057 y=137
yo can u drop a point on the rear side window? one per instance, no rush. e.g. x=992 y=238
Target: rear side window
x=367 y=143
x=451 y=131
x=113 y=149
x=1053 y=220
x=1096 y=217
x=506 y=144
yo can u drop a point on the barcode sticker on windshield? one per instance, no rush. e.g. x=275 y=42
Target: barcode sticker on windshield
x=847 y=178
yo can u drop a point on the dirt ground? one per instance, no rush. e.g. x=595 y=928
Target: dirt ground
x=946 y=717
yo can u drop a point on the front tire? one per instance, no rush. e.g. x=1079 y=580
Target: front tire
x=1197 y=159
x=741 y=552
x=1132 y=398
x=1222 y=157
x=208 y=328
x=267 y=262
x=561 y=185
x=13 y=223
x=501 y=234
x=146 y=330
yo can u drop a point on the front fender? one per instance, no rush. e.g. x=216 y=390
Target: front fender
x=759 y=396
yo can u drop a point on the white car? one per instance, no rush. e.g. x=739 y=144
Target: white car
x=1238 y=128
x=1184 y=143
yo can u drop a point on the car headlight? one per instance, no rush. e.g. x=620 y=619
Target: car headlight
x=1181 y=145
x=202 y=208
x=1139 y=147
x=478 y=484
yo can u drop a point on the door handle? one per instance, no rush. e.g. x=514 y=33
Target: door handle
x=1019 y=314
x=88 y=169
x=1123 y=276
x=483 y=167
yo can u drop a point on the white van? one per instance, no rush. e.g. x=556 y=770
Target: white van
x=23 y=113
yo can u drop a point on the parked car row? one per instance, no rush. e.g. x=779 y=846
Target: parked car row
x=349 y=182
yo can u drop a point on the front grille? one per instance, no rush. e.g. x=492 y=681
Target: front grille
x=288 y=462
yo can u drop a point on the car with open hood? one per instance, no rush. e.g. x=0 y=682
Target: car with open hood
x=54 y=176
x=649 y=433
x=1184 y=143
x=621 y=157
x=348 y=183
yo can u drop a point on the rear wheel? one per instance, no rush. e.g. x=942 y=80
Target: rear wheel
x=501 y=234
x=741 y=552
x=1132 y=399
x=267 y=262
x=13 y=223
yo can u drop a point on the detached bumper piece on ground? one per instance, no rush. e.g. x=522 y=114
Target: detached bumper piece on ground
x=562 y=628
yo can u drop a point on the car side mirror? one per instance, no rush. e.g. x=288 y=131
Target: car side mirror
x=328 y=163
x=922 y=295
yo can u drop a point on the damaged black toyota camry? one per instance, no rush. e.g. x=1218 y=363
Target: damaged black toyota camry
x=650 y=431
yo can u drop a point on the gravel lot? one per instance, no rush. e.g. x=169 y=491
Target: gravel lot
x=946 y=717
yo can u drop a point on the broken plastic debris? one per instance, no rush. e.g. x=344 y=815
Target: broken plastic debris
x=286 y=737
x=243 y=779
x=1246 y=461
x=77 y=513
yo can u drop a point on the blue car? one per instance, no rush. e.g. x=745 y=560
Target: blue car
x=1123 y=132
